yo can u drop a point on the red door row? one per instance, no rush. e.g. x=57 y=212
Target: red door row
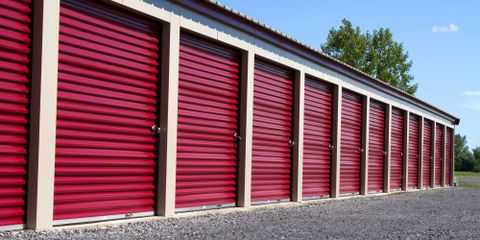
x=427 y=153
x=397 y=152
x=317 y=145
x=439 y=152
x=272 y=132
x=376 y=147
x=414 y=151
x=15 y=52
x=351 y=142
x=449 y=157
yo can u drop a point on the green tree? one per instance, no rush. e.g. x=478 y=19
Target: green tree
x=464 y=159
x=476 y=156
x=375 y=53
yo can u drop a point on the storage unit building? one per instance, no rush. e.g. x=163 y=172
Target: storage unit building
x=121 y=109
x=15 y=82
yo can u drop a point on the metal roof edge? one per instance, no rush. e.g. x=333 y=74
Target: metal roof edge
x=246 y=24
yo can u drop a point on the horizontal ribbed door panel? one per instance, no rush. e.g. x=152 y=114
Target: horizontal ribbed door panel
x=439 y=148
x=376 y=147
x=15 y=48
x=107 y=104
x=413 y=151
x=317 y=141
x=427 y=153
x=272 y=131
x=208 y=108
x=351 y=142
x=449 y=154
x=396 y=154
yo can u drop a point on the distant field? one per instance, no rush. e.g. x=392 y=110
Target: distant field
x=468 y=179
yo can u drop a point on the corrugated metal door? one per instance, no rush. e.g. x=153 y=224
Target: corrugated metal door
x=317 y=144
x=272 y=132
x=439 y=148
x=413 y=151
x=376 y=147
x=396 y=150
x=15 y=44
x=208 y=108
x=107 y=104
x=449 y=161
x=427 y=153
x=351 y=143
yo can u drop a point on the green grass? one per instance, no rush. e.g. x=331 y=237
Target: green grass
x=468 y=179
x=467 y=174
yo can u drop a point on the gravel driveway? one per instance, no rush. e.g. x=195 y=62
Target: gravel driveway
x=436 y=214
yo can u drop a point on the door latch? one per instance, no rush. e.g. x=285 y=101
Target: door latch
x=291 y=142
x=156 y=129
x=331 y=147
x=237 y=136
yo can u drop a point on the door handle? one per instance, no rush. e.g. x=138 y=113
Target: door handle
x=291 y=142
x=237 y=136
x=156 y=129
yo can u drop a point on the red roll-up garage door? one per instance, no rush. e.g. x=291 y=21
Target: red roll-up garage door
x=439 y=148
x=449 y=156
x=317 y=145
x=207 y=122
x=413 y=151
x=107 y=104
x=427 y=153
x=351 y=142
x=272 y=132
x=396 y=150
x=376 y=147
x=15 y=43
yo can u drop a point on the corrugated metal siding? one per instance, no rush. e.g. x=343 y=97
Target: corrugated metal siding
x=107 y=103
x=396 y=155
x=272 y=132
x=15 y=48
x=427 y=153
x=449 y=162
x=376 y=147
x=439 y=148
x=317 y=144
x=208 y=110
x=413 y=151
x=351 y=143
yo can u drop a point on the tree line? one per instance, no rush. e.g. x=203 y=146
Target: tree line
x=466 y=159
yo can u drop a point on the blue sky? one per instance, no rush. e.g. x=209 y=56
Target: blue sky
x=441 y=37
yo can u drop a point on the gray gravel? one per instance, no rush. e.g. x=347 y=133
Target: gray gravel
x=436 y=214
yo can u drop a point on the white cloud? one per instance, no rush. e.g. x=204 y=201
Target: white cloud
x=471 y=93
x=445 y=28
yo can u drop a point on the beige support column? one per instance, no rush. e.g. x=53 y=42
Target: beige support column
x=365 y=133
x=420 y=154
x=336 y=135
x=168 y=118
x=246 y=130
x=434 y=150
x=406 y=137
x=297 y=176
x=444 y=159
x=44 y=114
x=388 y=130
